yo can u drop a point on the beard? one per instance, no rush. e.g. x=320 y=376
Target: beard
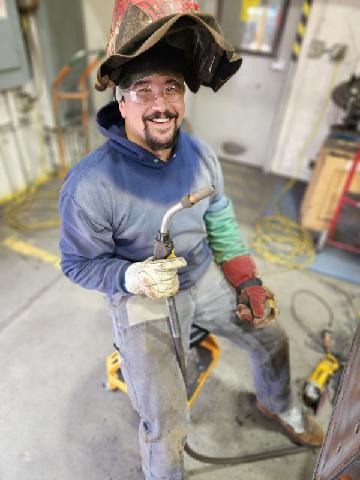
x=157 y=142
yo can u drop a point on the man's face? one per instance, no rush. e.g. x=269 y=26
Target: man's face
x=153 y=109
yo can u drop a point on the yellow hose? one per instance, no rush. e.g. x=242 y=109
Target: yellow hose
x=23 y=212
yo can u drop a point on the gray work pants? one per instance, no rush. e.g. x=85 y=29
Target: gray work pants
x=154 y=380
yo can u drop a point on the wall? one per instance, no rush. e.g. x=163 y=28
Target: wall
x=24 y=151
x=13 y=65
x=245 y=112
x=22 y=156
x=97 y=19
x=61 y=35
x=28 y=149
x=309 y=110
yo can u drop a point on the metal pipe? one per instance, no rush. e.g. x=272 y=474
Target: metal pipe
x=168 y=216
x=9 y=177
x=187 y=201
x=24 y=159
x=173 y=320
x=174 y=327
x=37 y=58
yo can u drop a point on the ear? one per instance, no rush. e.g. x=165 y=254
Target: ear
x=122 y=107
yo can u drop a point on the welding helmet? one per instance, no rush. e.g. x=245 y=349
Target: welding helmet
x=174 y=35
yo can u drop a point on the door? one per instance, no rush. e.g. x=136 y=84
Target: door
x=240 y=122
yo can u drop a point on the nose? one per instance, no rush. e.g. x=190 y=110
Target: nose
x=160 y=102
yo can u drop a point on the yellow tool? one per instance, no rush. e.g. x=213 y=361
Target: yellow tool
x=315 y=385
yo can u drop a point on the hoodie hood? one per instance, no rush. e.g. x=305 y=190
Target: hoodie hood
x=112 y=125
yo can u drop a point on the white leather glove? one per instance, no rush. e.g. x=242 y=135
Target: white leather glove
x=154 y=278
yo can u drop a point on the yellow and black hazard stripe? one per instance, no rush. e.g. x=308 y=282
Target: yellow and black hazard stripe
x=301 y=28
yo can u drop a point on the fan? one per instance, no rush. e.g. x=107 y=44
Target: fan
x=347 y=96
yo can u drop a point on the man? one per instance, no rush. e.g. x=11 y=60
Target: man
x=112 y=204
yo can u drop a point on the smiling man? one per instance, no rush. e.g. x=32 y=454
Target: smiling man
x=112 y=205
x=153 y=111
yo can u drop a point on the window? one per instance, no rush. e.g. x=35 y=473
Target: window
x=253 y=26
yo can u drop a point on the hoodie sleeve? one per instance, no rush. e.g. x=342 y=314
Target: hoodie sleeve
x=88 y=250
x=223 y=232
x=222 y=228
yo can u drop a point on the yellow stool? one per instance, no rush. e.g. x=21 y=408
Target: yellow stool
x=203 y=357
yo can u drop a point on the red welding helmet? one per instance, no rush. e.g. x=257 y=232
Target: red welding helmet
x=195 y=40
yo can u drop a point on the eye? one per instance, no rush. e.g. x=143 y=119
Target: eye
x=144 y=91
x=172 y=89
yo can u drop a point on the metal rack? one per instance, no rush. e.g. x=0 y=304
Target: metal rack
x=82 y=95
x=345 y=199
x=328 y=236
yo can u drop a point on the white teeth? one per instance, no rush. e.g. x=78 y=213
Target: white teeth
x=161 y=120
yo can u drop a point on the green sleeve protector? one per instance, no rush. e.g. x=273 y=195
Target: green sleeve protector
x=223 y=233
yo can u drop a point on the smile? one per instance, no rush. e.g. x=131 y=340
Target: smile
x=161 y=120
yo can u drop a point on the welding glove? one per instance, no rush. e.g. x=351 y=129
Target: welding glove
x=256 y=303
x=154 y=278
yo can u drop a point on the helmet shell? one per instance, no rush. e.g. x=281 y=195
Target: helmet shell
x=138 y=25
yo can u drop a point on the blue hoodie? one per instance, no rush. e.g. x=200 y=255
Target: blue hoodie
x=113 y=201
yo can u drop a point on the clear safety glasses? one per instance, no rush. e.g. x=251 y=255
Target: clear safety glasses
x=147 y=93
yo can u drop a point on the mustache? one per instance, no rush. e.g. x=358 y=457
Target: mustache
x=157 y=115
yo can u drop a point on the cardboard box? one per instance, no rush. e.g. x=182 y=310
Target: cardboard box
x=327 y=183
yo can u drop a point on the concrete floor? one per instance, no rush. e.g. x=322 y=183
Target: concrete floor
x=57 y=422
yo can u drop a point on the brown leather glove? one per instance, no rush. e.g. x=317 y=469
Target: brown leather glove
x=256 y=303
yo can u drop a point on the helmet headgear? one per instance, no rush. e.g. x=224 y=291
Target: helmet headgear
x=171 y=33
